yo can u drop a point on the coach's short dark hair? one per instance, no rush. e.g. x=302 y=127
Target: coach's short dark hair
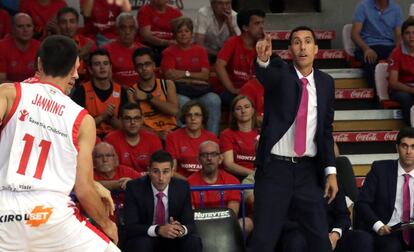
x=302 y=28
x=405 y=132
x=161 y=156
x=58 y=55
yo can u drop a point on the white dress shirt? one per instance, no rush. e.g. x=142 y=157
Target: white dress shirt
x=285 y=146
x=398 y=206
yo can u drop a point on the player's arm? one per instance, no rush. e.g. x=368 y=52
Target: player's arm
x=7 y=96
x=84 y=185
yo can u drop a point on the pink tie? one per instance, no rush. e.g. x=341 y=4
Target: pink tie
x=301 y=120
x=160 y=210
x=406 y=208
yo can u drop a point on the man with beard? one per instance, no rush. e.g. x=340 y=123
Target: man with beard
x=133 y=144
x=156 y=97
x=101 y=96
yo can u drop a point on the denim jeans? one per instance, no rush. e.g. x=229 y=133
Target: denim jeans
x=212 y=103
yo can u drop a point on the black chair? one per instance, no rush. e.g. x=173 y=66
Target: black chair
x=219 y=230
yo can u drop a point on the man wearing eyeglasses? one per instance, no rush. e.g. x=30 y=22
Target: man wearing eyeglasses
x=101 y=96
x=387 y=197
x=156 y=97
x=210 y=159
x=133 y=144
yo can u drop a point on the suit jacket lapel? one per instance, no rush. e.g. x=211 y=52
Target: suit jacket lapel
x=171 y=195
x=393 y=175
x=149 y=195
x=319 y=97
x=298 y=83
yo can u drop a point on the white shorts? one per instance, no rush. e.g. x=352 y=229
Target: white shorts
x=46 y=221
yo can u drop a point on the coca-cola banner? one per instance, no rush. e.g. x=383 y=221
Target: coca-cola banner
x=378 y=136
x=322 y=54
x=354 y=93
x=284 y=35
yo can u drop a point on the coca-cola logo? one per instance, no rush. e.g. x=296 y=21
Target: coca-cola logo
x=366 y=137
x=284 y=54
x=325 y=35
x=332 y=54
x=361 y=94
x=390 y=136
x=342 y=137
x=339 y=94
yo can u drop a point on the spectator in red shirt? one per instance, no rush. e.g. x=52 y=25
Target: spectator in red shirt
x=156 y=97
x=187 y=65
x=43 y=13
x=183 y=143
x=133 y=144
x=254 y=90
x=238 y=143
x=18 y=51
x=210 y=159
x=4 y=23
x=107 y=169
x=122 y=49
x=234 y=65
x=155 y=28
x=401 y=71
x=100 y=16
x=68 y=23
x=101 y=96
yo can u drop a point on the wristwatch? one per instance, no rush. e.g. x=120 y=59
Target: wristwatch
x=157 y=229
x=187 y=74
x=149 y=96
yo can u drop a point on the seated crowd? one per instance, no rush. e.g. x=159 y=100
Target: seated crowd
x=157 y=84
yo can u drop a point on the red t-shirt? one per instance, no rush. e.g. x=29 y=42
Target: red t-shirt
x=193 y=59
x=136 y=156
x=403 y=63
x=122 y=171
x=160 y=22
x=184 y=149
x=239 y=60
x=16 y=64
x=213 y=198
x=243 y=145
x=123 y=71
x=102 y=19
x=41 y=14
x=4 y=23
x=254 y=90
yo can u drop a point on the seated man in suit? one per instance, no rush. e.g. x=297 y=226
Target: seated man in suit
x=341 y=238
x=158 y=214
x=384 y=199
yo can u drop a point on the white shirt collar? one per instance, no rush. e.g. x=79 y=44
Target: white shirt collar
x=155 y=191
x=402 y=172
x=309 y=77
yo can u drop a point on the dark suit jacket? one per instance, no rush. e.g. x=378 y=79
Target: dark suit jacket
x=337 y=213
x=283 y=90
x=139 y=206
x=377 y=196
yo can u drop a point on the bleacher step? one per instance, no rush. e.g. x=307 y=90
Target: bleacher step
x=365 y=136
x=358 y=125
x=374 y=114
x=351 y=83
x=344 y=73
x=361 y=170
x=367 y=159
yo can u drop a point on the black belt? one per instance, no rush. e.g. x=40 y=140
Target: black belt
x=292 y=159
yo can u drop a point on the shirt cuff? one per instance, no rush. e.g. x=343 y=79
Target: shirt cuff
x=185 y=230
x=263 y=64
x=151 y=231
x=330 y=170
x=377 y=225
x=338 y=230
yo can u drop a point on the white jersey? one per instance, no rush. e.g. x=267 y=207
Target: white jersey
x=38 y=140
